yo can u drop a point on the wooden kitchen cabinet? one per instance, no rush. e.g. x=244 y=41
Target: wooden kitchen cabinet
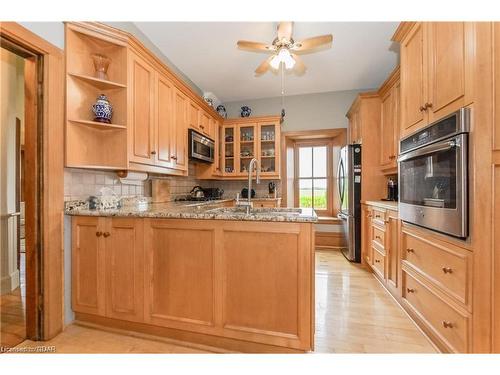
x=214 y=279
x=146 y=133
x=380 y=245
x=158 y=119
x=389 y=122
x=107 y=267
x=142 y=99
x=436 y=70
x=165 y=126
x=244 y=139
x=180 y=138
x=88 y=266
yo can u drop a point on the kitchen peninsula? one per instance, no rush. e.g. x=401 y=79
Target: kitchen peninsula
x=203 y=272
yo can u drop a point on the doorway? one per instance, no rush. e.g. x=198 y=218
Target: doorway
x=19 y=194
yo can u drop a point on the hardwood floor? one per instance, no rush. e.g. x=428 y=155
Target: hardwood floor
x=13 y=312
x=354 y=314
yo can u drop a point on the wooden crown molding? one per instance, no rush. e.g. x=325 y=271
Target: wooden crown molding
x=359 y=98
x=246 y=120
x=120 y=37
x=402 y=30
x=389 y=82
x=314 y=134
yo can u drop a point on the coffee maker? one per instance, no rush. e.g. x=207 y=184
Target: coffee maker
x=392 y=190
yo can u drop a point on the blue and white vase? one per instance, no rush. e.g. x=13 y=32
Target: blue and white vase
x=221 y=110
x=102 y=109
x=245 y=111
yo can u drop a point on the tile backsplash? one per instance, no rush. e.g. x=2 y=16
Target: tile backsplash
x=82 y=183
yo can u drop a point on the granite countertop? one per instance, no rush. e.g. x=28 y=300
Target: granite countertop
x=210 y=210
x=389 y=205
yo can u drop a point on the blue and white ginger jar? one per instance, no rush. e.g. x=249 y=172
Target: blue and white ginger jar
x=245 y=111
x=102 y=109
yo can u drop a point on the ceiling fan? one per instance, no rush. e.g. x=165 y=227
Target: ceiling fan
x=285 y=50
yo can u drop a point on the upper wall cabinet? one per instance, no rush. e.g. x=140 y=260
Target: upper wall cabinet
x=239 y=141
x=389 y=122
x=151 y=107
x=436 y=69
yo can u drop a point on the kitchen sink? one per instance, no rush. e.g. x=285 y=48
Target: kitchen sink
x=256 y=211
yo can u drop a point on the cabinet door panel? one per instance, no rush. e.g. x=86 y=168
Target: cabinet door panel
x=413 y=80
x=260 y=283
x=446 y=67
x=180 y=274
x=387 y=130
x=141 y=108
x=204 y=123
x=180 y=129
x=194 y=116
x=124 y=269
x=164 y=121
x=87 y=273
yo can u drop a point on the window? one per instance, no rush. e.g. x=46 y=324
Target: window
x=313 y=179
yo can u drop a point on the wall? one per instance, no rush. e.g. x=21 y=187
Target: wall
x=11 y=79
x=303 y=112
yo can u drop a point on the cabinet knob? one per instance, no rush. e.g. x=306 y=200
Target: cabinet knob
x=447 y=270
x=98 y=234
x=377 y=237
x=428 y=105
x=377 y=216
x=153 y=152
x=422 y=108
x=106 y=234
x=410 y=250
x=410 y=290
x=173 y=157
x=447 y=324
x=377 y=260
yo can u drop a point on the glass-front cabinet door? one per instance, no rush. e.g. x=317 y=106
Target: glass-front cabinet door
x=229 y=150
x=247 y=146
x=269 y=137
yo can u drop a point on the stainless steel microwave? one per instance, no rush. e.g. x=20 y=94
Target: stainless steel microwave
x=433 y=176
x=200 y=147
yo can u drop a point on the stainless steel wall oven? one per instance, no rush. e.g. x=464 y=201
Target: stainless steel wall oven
x=433 y=175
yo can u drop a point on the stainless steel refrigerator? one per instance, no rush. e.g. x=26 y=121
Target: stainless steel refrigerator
x=349 y=187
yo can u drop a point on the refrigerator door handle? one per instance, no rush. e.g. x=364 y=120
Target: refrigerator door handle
x=341 y=181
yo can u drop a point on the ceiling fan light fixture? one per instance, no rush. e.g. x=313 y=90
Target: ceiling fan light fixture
x=283 y=56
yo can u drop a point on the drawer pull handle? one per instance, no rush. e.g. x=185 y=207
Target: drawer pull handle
x=410 y=250
x=447 y=324
x=377 y=216
x=377 y=260
x=153 y=152
x=377 y=237
x=410 y=290
x=98 y=234
x=106 y=234
x=422 y=108
x=447 y=270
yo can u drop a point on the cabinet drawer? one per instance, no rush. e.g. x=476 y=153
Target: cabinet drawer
x=378 y=216
x=444 y=321
x=264 y=203
x=444 y=264
x=378 y=262
x=378 y=236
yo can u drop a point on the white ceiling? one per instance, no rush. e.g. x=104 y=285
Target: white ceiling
x=362 y=56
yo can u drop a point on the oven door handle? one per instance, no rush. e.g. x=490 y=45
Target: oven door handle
x=431 y=149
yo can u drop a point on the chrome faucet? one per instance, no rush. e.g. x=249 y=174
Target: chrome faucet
x=248 y=203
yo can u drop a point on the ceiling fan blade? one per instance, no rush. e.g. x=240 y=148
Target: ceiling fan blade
x=264 y=66
x=255 y=46
x=299 y=68
x=285 y=30
x=310 y=45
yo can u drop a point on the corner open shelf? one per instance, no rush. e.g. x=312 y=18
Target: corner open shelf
x=92 y=144
x=99 y=83
x=98 y=125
